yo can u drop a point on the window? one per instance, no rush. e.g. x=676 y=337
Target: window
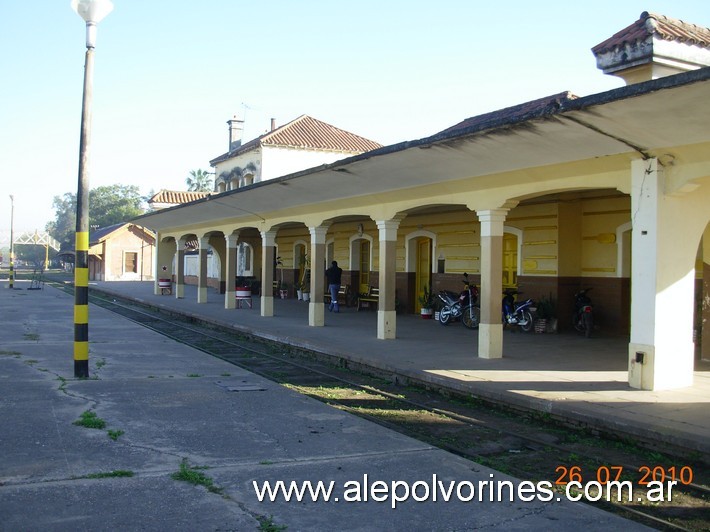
x=130 y=262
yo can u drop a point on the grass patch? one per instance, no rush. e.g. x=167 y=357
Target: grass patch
x=118 y=473
x=193 y=475
x=194 y=375
x=90 y=420
x=32 y=337
x=115 y=434
x=9 y=353
x=225 y=375
x=266 y=524
x=31 y=362
x=100 y=363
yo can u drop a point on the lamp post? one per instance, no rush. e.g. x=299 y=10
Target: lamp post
x=11 y=284
x=92 y=11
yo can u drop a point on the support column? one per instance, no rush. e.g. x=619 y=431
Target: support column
x=202 y=270
x=662 y=283
x=162 y=261
x=490 y=330
x=316 y=307
x=230 y=300
x=704 y=307
x=268 y=258
x=386 y=311
x=180 y=270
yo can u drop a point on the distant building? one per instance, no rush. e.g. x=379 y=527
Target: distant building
x=302 y=143
x=121 y=252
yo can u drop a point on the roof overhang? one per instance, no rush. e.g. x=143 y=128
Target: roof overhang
x=638 y=120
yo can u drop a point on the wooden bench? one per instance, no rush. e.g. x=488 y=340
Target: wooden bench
x=343 y=294
x=372 y=296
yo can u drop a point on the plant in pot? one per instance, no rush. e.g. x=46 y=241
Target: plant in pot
x=426 y=301
x=283 y=290
x=545 y=315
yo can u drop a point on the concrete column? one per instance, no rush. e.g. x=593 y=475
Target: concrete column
x=316 y=307
x=180 y=270
x=662 y=282
x=268 y=256
x=386 y=312
x=162 y=261
x=490 y=331
x=704 y=310
x=202 y=270
x=230 y=301
x=108 y=263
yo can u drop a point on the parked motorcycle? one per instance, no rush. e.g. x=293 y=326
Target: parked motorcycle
x=517 y=313
x=583 y=318
x=461 y=305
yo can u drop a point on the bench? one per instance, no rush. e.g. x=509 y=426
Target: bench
x=343 y=293
x=372 y=296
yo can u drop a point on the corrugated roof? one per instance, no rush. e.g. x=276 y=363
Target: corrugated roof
x=666 y=28
x=515 y=113
x=307 y=133
x=176 y=197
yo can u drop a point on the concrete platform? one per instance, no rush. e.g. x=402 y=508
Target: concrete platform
x=173 y=403
x=567 y=375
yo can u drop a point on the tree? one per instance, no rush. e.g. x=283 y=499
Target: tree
x=199 y=181
x=108 y=205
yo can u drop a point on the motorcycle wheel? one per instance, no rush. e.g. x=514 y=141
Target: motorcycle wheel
x=527 y=324
x=588 y=322
x=445 y=316
x=471 y=317
x=578 y=322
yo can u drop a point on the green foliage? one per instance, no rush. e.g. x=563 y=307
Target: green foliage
x=192 y=475
x=108 y=205
x=546 y=308
x=266 y=524
x=118 y=473
x=199 y=181
x=115 y=434
x=90 y=420
x=426 y=299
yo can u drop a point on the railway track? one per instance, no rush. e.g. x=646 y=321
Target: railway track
x=526 y=445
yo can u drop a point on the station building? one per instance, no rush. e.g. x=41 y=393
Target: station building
x=609 y=191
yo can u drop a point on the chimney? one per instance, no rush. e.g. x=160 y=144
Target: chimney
x=273 y=124
x=235 y=132
x=653 y=47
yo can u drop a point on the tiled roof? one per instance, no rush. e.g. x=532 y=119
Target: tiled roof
x=307 y=133
x=176 y=197
x=513 y=114
x=668 y=29
x=102 y=233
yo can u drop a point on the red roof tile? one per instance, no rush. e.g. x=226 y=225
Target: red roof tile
x=668 y=29
x=176 y=197
x=307 y=133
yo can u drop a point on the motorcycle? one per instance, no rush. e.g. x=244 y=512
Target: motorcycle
x=460 y=305
x=517 y=313
x=583 y=318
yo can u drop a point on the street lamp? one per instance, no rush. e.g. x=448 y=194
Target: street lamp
x=92 y=11
x=12 y=242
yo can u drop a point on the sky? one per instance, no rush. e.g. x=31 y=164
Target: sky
x=169 y=74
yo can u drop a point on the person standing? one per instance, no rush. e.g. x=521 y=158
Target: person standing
x=334 y=275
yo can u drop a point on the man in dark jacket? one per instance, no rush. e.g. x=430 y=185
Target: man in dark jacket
x=333 y=275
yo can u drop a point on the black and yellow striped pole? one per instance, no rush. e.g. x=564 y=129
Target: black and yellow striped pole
x=12 y=242
x=92 y=11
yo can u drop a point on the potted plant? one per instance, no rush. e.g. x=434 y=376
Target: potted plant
x=283 y=290
x=545 y=319
x=426 y=300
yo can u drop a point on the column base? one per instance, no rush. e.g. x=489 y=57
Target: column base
x=316 y=314
x=230 y=300
x=386 y=324
x=490 y=340
x=646 y=372
x=267 y=306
